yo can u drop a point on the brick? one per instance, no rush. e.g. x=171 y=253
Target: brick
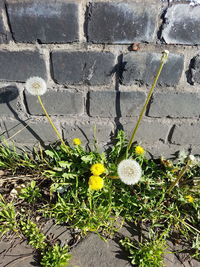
x=37 y=131
x=87 y=254
x=57 y=103
x=115 y=104
x=149 y=131
x=186 y=134
x=9 y=101
x=142 y=67
x=59 y=232
x=121 y=22
x=175 y=104
x=168 y=151
x=21 y=65
x=93 y=68
x=182 y=1
x=86 y=132
x=195 y=70
x=47 y=21
x=196 y=150
x=16 y=248
x=182 y=25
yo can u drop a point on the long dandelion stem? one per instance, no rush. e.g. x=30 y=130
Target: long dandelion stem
x=162 y=62
x=51 y=122
x=189 y=226
x=182 y=172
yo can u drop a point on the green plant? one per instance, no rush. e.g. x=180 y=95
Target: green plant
x=55 y=256
x=30 y=193
x=11 y=160
x=146 y=254
x=84 y=190
x=51 y=256
x=35 y=238
x=8 y=221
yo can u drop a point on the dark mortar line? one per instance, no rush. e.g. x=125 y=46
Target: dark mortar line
x=87 y=16
x=170 y=134
x=9 y=23
x=87 y=103
x=160 y=29
x=51 y=68
x=118 y=70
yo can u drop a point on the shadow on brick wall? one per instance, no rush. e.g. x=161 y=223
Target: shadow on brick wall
x=7 y=95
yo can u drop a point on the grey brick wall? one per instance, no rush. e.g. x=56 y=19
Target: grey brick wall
x=99 y=59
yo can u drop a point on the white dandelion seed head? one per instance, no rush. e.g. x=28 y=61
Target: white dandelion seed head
x=36 y=86
x=182 y=155
x=165 y=56
x=129 y=171
x=192 y=158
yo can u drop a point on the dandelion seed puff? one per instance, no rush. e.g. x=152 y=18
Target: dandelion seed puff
x=191 y=157
x=129 y=171
x=36 y=86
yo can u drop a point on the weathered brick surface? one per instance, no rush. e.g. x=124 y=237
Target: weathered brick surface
x=87 y=254
x=57 y=103
x=121 y=22
x=142 y=68
x=115 y=104
x=149 y=131
x=195 y=70
x=175 y=104
x=94 y=68
x=86 y=132
x=158 y=149
x=16 y=249
x=21 y=65
x=186 y=134
x=182 y=25
x=47 y=21
x=9 y=101
x=196 y=150
x=59 y=232
x=35 y=132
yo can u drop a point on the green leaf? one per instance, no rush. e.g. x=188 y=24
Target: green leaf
x=50 y=153
x=64 y=164
x=33 y=184
x=69 y=175
x=88 y=158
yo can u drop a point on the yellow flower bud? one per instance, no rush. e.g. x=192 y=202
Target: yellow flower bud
x=76 y=141
x=190 y=199
x=139 y=150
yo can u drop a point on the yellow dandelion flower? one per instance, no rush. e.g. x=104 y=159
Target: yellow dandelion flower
x=97 y=169
x=190 y=199
x=76 y=141
x=139 y=150
x=95 y=182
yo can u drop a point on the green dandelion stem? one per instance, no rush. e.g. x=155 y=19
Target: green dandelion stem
x=182 y=172
x=189 y=226
x=51 y=122
x=162 y=62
